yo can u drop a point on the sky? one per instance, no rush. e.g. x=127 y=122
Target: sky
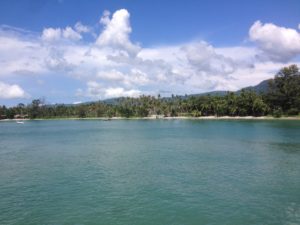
x=71 y=51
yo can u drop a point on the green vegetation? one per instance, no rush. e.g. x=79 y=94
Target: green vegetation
x=281 y=98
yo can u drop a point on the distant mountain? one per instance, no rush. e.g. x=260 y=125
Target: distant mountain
x=261 y=88
x=212 y=93
x=113 y=101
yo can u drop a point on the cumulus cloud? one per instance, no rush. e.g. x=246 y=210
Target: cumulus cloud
x=20 y=56
x=94 y=89
x=193 y=66
x=105 y=18
x=56 y=34
x=113 y=66
x=55 y=60
x=119 y=91
x=116 y=32
x=241 y=55
x=204 y=58
x=277 y=43
x=80 y=28
x=111 y=75
x=97 y=90
x=71 y=34
x=8 y=91
x=51 y=34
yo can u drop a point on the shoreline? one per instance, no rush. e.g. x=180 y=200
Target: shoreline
x=164 y=118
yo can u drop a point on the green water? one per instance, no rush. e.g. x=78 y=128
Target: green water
x=149 y=172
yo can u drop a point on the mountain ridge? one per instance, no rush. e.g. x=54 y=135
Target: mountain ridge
x=260 y=88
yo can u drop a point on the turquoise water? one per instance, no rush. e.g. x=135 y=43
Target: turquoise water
x=149 y=172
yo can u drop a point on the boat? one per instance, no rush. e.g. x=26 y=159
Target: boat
x=21 y=122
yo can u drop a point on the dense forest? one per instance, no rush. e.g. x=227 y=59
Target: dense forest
x=282 y=97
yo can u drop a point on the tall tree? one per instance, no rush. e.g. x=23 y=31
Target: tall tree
x=285 y=89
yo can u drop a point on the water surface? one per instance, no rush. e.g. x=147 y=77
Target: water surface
x=149 y=172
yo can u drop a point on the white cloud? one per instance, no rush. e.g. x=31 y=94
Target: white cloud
x=8 y=91
x=56 y=34
x=239 y=54
x=116 y=33
x=97 y=90
x=114 y=66
x=250 y=76
x=132 y=78
x=51 y=34
x=80 y=28
x=138 y=77
x=112 y=75
x=105 y=18
x=20 y=56
x=71 y=34
x=278 y=43
x=94 y=89
x=121 y=92
x=204 y=58
x=55 y=60
x=190 y=67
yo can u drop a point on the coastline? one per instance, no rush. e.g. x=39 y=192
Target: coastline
x=164 y=118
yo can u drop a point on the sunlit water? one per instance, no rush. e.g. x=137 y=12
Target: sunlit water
x=149 y=172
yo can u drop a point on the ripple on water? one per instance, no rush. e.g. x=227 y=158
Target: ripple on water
x=150 y=172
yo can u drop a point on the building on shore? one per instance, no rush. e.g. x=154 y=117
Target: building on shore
x=21 y=116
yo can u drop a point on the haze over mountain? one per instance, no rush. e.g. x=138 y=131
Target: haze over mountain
x=260 y=88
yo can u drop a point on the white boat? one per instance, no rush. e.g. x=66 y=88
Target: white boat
x=21 y=122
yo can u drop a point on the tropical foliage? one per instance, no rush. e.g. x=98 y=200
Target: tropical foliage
x=281 y=98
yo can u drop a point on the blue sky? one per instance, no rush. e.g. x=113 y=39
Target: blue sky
x=62 y=50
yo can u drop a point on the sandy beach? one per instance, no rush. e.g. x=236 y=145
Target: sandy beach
x=167 y=118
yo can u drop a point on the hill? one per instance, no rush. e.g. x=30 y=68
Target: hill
x=260 y=88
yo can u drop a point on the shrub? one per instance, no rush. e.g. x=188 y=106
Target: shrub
x=277 y=113
x=293 y=112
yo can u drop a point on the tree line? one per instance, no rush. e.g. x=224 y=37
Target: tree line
x=281 y=98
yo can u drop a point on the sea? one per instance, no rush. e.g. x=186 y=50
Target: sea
x=150 y=172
